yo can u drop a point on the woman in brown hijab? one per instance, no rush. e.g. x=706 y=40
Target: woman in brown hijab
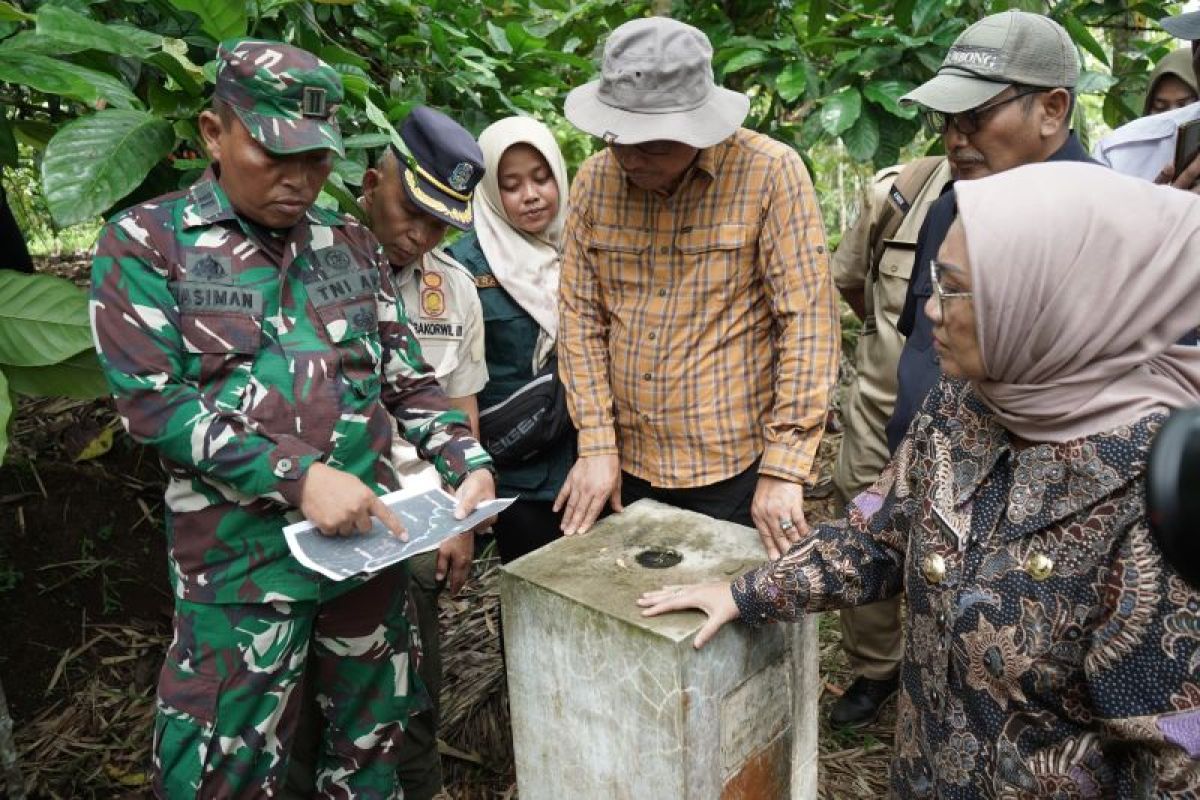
x=1172 y=84
x=1050 y=651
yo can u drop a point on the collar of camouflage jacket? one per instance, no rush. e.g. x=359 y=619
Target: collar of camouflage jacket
x=208 y=204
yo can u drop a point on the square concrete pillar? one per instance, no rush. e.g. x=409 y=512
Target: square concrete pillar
x=609 y=705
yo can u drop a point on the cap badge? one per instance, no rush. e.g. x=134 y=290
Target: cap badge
x=460 y=177
x=313 y=103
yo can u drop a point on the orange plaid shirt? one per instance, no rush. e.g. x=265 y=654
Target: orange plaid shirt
x=700 y=331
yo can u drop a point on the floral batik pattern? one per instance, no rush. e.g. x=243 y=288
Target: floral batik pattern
x=1050 y=652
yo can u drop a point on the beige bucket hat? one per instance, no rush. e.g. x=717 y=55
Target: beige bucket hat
x=656 y=82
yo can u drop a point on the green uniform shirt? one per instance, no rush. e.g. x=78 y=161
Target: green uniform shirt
x=243 y=357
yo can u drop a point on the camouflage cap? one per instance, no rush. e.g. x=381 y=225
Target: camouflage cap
x=286 y=97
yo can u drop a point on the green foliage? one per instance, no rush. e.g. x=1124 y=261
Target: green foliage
x=822 y=72
x=45 y=342
x=100 y=99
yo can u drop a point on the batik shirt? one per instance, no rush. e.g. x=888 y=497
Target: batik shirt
x=1049 y=650
x=244 y=356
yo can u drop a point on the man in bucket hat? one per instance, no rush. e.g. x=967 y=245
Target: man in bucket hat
x=255 y=341
x=699 y=333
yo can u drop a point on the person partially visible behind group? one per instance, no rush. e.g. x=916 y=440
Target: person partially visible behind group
x=513 y=252
x=1145 y=147
x=1172 y=84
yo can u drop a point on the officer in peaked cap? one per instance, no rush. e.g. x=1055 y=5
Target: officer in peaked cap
x=244 y=333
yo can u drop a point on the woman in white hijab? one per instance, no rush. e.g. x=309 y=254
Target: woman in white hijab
x=1050 y=650
x=513 y=252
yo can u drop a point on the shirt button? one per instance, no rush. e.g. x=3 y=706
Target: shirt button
x=934 y=567
x=283 y=466
x=664 y=249
x=941 y=620
x=653 y=336
x=662 y=292
x=646 y=377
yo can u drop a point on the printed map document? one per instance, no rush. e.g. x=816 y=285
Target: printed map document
x=428 y=517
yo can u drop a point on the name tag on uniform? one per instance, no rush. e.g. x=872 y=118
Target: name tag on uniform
x=337 y=290
x=194 y=296
x=434 y=330
x=333 y=276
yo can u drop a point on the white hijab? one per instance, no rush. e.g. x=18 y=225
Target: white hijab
x=526 y=266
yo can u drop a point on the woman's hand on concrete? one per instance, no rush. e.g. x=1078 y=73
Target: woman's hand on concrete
x=714 y=599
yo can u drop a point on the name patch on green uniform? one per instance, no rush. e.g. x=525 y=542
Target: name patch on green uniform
x=195 y=296
x=337 y=290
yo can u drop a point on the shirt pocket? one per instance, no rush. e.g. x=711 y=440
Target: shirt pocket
x=222 y=347
x=352 y=328
x=619 y=254
x=895 y=270
x=715 y=256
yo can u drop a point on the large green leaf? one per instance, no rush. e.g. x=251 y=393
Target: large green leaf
x=43 y=320
x=64 y=25
x=744 y=59
x=94 y=161
x=791 y=81
x=45 y=74
x=888 y=94
x=10 y=13
x=1083 y=37
x=841 y=110
x=79 y=376
x=5 y=415
x=221 y=19
x=862 y=139
x=52 y=76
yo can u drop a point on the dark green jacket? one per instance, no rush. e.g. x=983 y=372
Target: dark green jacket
x=510 y=336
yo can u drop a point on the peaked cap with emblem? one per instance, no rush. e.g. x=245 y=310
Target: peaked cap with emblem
x=993 y=54
x=446 y=165
x=286 y=97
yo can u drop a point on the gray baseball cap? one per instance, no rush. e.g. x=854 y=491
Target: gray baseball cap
x=994 y=53
x=1183 y=26
x=656 y=82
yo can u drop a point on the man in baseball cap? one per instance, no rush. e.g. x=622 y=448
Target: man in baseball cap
x=1146 y=147
x=1003 y=97
x=699 y=333
x=244 y=333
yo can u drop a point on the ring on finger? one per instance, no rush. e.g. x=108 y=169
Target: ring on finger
x=786 y=524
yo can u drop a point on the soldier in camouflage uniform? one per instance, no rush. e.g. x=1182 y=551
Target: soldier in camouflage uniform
x=255 y=340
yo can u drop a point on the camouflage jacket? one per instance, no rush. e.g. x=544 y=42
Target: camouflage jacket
x=243 y=361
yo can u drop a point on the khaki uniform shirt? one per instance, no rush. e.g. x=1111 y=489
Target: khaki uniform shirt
x=443 y=310
x=869 y=402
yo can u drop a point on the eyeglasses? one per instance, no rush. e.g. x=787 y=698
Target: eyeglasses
x=968 y=122
x=935 y=273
